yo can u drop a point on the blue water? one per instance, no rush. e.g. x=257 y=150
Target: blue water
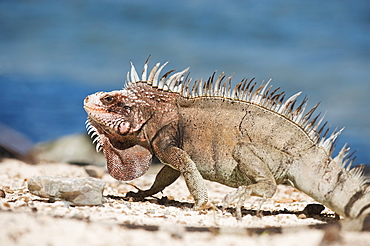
x=54 y=53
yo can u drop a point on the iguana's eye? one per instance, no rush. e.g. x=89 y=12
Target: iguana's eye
x=107 y=100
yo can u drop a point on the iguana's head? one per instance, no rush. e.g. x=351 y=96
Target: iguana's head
x=116 y=119
x=116 y=113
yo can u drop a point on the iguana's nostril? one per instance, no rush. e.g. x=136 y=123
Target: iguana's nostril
x=86 y=99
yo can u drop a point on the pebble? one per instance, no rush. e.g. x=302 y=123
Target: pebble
x=313 y=209
x=77 y=191
x=94 y=171
x=2 y=194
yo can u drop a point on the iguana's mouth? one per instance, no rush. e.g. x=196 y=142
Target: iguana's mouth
x=90 y=108
x=103 y=117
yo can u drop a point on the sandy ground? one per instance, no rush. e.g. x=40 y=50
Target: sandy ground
x=166 y=219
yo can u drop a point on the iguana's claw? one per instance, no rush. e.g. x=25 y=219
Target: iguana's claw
x=240 y=194
x=134 y=194
x=200 y=205
x=141 y=194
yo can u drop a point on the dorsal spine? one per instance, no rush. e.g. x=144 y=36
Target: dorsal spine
x=245 y=91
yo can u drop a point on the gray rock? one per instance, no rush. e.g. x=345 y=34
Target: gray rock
x=78 y=191
x=94 y=171
x=76 y=149
x=13 y=144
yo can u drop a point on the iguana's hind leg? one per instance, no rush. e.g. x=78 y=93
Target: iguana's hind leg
x=166 y=176
x=259 y=179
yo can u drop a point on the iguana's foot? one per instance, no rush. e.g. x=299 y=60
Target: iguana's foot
x=139 y=194
x=200 y=205
x=241 y=194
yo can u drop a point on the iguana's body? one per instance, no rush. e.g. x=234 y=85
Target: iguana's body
x=248 y=138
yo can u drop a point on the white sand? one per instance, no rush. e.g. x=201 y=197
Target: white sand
x=30 y=220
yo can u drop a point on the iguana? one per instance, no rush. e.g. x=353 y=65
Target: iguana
x=248 y=137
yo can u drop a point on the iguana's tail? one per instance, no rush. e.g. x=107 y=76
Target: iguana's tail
x=333 y=183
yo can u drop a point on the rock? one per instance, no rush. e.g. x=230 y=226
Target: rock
x=312 y=210
x=2 y=194
x=75 y=149
x=13 y=144
x=78 y=191
x=94 y=171
x=332 y=235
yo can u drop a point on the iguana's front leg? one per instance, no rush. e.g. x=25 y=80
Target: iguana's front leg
x=180 y=160
x=165 y=146
x=166 y=176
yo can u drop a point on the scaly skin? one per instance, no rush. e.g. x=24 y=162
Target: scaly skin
x=248 y=139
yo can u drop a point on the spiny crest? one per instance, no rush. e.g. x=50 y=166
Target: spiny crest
x=174 y=83
x=247 y=91
x=93 y=132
